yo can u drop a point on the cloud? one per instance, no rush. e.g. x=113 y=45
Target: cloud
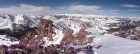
x=69 y=9
x=82 y=9
x=114 y=10
x=25 y=9
x=85 y=9
x=73 y=9
x=134 y=10
x=113 y=13
x=130 y=6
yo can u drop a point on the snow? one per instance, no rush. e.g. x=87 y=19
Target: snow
x=94 y=31
x=116 y=45
x=110 y=44
x=81 y=52
x=47 y=42
x=56 y=38
x=6 y=41
x=75 y=30
x=77 y=46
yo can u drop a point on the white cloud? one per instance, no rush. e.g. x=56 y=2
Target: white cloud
x=86 y=9
x=82 y=9
x=130 y=6
x=25 y=9
x=70 y=9
x=133 y=10
x=113 y=13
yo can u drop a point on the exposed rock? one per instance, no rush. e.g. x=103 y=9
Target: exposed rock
x=79 y=39
x=3 y=49
x=68 y=32
x=67 y=39
x=34 y=38
x=45 y=29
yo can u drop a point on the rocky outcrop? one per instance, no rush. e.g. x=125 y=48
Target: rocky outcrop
x=67 y=39
x=35 y=38
x=78 y=39
x=52 y=49
x=45 y=29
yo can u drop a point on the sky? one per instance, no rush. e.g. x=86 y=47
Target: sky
x=130 y=8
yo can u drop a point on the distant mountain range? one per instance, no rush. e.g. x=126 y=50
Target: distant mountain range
x=72 y=30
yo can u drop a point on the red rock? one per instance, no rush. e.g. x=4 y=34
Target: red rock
x=24 y=41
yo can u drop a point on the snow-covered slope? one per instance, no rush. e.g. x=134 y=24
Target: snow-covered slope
x=105 y=29
x=116 y=45
x=7 y=41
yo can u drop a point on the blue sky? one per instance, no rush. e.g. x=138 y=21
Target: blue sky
x=97 y=7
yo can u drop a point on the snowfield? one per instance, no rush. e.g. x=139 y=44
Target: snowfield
x=116 y=45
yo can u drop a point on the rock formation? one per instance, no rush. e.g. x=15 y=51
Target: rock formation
x=35 y=38
x=79 y=39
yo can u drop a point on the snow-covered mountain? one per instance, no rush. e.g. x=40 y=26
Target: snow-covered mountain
x=115 y=35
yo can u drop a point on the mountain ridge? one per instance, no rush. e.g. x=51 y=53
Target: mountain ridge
x=70 y=29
